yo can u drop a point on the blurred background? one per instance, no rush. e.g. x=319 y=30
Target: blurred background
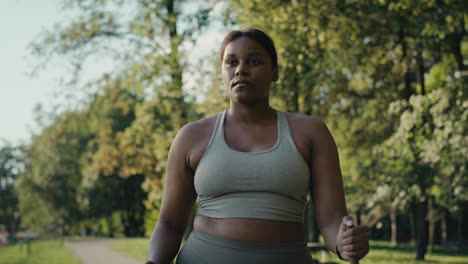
x=92 y=92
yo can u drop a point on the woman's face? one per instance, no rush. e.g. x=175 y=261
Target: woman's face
x=247 y=71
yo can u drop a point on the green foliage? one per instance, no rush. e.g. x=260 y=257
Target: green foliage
x=429 y=143
x=388 y=77
x=11 y=165
x=109 y=225
x=378 y=73
x=213 y=98
x=109 y=188
x=136 y=111
x=53 y=174
x=108 y=115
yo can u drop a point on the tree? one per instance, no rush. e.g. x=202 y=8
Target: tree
x=426 y=34
x=109 y=189
x=147 y=44
x=445 y=149
x=11 y=165
x=328 y=73
x=356 y=58
x=52 y=176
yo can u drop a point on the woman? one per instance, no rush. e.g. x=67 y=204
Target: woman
x=252 y=167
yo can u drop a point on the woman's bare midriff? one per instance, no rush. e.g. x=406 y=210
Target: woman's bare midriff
x=250 y=229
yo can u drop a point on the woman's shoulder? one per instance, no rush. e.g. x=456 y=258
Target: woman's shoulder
x=309 y=125
x=194 y=137
x=197 y=130
x=201 y=124
x=303 y=120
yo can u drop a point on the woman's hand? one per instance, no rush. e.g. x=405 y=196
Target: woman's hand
x=352 y=242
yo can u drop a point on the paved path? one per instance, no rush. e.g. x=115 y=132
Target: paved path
x=98 y=252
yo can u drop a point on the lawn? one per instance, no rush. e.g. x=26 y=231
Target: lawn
x=41 y=252
x=381 y=252
x=135 y=247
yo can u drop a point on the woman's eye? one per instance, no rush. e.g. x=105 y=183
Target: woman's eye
x=254 y=61
x=231 y=62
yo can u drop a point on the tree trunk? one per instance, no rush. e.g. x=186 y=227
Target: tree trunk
x=455 y=40
x=444 y=226
x=421 y=69
x=412 y=225
x=14 y=225
x=407 y=91
x=460 y=228
x=175 y=66
x=421 y=234
x=431 y=223
x=110 y=225
x=394 y=218
x=132 y=207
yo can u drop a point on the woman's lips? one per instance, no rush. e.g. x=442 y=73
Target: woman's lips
x=241 y=83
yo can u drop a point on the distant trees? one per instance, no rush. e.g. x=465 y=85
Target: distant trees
x=49 y=188
x=117 y=154
x=383 y=75
x=388 y=77
x=12 y=162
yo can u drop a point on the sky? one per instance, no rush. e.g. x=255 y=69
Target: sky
x=21 y=21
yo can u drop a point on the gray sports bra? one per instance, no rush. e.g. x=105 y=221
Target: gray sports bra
x=271 y=184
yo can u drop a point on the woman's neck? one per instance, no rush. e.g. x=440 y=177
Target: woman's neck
x=251 y=113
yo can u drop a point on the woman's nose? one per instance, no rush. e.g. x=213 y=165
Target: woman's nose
x=242 y=69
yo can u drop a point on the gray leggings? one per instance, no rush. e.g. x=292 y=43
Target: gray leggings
x=202 y=248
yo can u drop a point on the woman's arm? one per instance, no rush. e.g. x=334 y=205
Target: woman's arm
x=178 y=199
x=329 y=200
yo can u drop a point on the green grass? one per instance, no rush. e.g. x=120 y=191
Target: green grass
x=42 y=252
x=382 y=252
x=135 y=247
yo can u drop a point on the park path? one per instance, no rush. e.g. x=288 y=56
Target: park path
x=98 y=252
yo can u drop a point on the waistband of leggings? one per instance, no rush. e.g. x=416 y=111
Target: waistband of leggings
x=248 y=245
